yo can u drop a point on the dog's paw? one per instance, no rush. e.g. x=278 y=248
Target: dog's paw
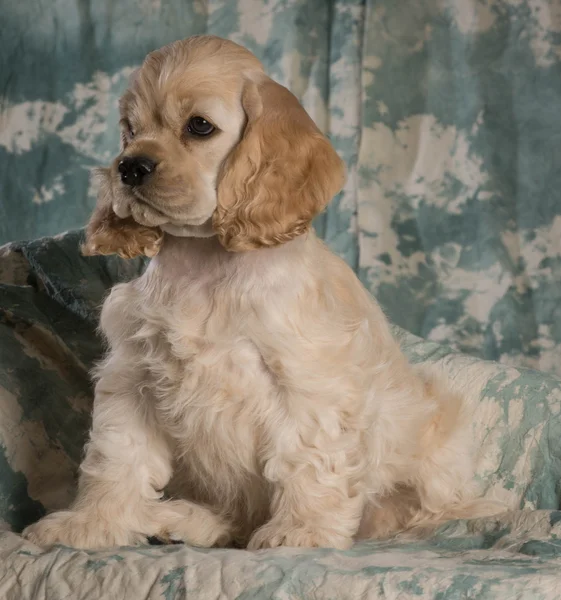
x=193 y=524
x=79 y=530
x=273 y=535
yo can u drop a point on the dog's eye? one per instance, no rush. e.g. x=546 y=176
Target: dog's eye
x=199 y=126
x=127 y=132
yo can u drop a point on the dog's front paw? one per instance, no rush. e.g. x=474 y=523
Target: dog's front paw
x=272 y=535
x=79 y=530
x=193 y=524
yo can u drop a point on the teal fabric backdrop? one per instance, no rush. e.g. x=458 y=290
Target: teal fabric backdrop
x=447 y=113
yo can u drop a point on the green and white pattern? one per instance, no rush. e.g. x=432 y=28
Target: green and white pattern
x=447 y=113
x=516 y=557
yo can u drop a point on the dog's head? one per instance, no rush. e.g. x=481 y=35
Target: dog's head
x=211 y=145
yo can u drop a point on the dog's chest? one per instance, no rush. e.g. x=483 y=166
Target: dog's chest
x=212 y=393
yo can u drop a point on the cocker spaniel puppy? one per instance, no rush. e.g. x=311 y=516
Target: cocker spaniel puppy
x=252 y=392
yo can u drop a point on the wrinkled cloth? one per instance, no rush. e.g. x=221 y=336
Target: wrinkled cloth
x=518 y=556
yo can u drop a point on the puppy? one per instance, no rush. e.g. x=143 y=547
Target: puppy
x=249 y=376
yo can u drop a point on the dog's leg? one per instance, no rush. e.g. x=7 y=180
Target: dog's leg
x=315 y=503
x=444 y=475
x=445 y=469
x=127 y=463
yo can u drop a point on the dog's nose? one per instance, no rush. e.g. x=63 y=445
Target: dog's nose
x=135 y=169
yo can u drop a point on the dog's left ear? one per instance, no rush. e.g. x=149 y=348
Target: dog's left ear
x=107 y=233
x=279 y=177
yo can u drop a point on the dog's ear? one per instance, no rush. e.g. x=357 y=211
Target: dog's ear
x=279 y=177
x=107 y=233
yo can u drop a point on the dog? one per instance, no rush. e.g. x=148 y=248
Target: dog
x=252 y=393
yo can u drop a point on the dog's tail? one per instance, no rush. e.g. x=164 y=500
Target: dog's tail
x=400 y=515
x=424 y=524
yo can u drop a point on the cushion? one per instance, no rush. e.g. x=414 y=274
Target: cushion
x=49 y=303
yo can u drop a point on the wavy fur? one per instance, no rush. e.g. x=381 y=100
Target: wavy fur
x=252 y=392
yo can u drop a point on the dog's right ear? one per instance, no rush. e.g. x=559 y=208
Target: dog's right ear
x=107 y=233
x=281 y=175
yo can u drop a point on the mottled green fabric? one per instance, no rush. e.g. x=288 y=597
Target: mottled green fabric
x=518 y=556
x=447 y=115
x=445 y=111
x=459 y=206
x=49 y=301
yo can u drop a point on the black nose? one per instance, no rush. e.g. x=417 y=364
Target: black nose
x=135 y=169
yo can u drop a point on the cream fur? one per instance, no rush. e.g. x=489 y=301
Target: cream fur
x=261 y=389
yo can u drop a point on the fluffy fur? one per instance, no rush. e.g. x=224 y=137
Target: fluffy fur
x=249 y=374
